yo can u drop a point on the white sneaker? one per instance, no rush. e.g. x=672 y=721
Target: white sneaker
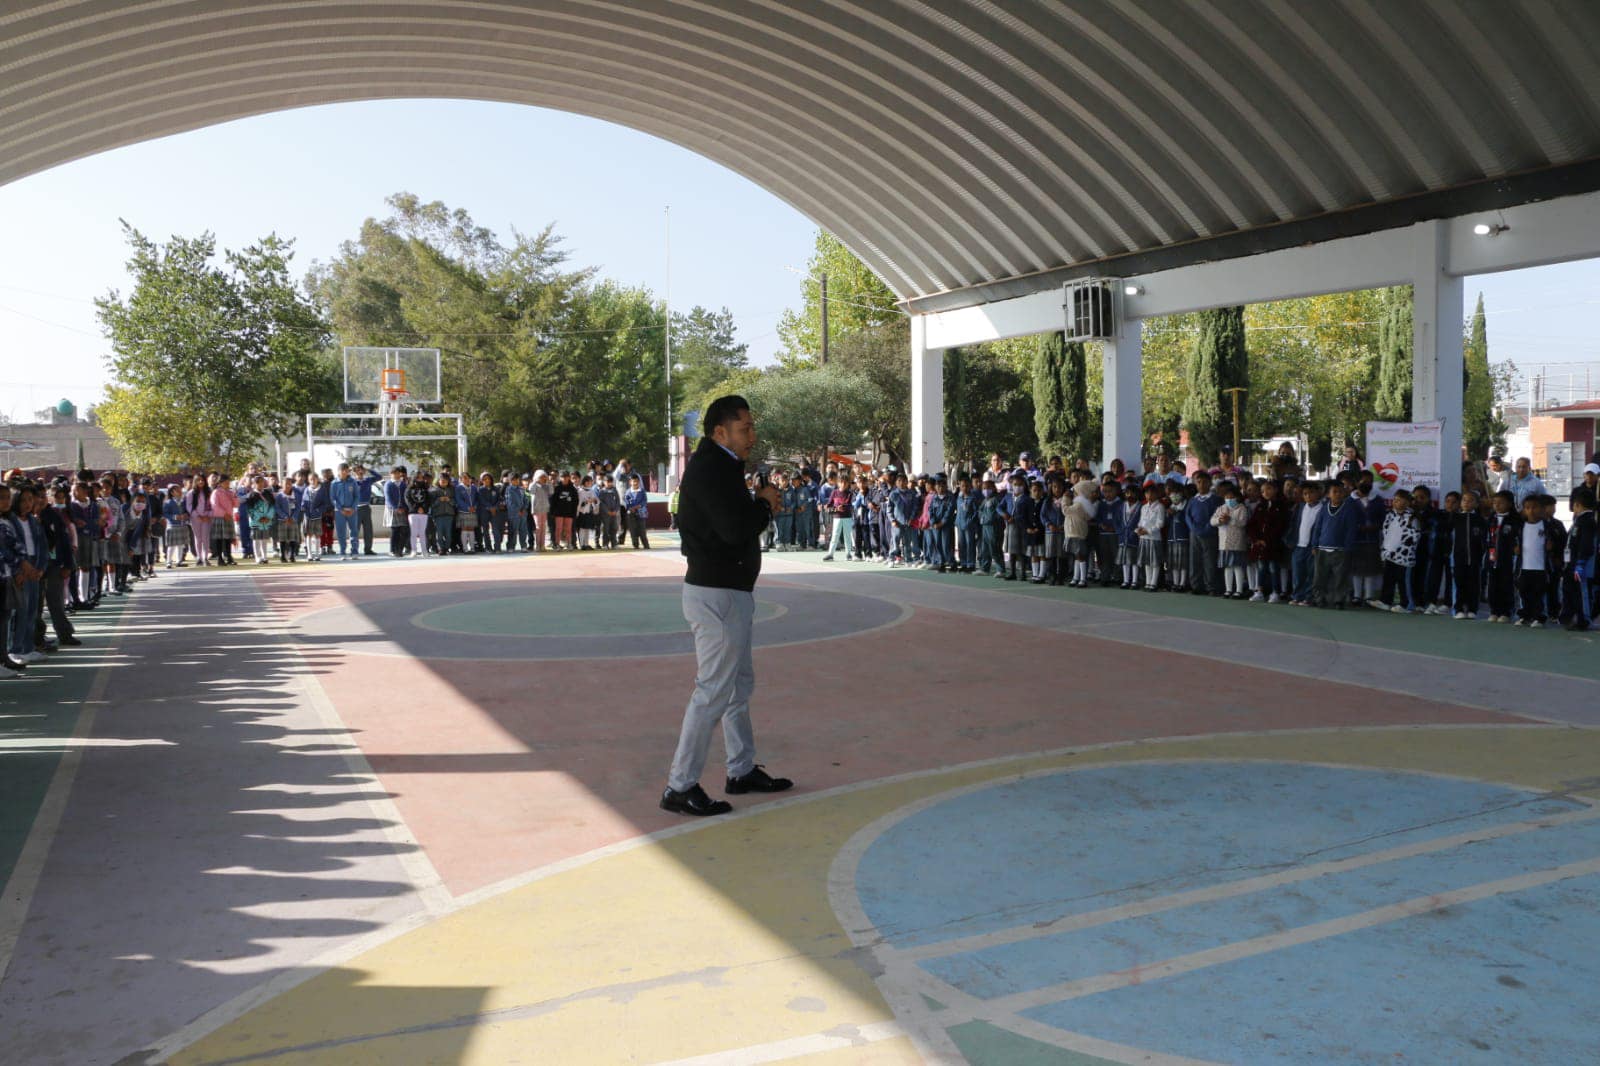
x=1460 y=616
x=1520 y=622
x=1257 y=597
x=35 y=657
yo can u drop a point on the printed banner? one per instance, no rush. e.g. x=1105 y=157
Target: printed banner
x=1403 y=455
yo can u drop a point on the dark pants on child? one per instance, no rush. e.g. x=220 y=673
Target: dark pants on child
x=1502 y=591
x=1105 y=554
x=1532 y=584
x=1466 y=583
x=1302 y=574
x=1203 y=565
x=1333 y=577
x=1395 y=577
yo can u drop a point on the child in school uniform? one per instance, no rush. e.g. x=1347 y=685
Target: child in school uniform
x=1398 y=548
x=588 y=517
x=992 y=523
x=784 y=516
x=1581 y=543
x=1152 y=527
x=1265 y=529
x=1555 y=559
x=1233 y=541
x=1019 y=513
x=967 y=531
x=1052 y=519
x=1104 y=532
x=1503 y=542
x=1077 y=518
x=1436 y=583
x=1177 y=539
x=1465 y=531
x=1128 y=535
x=1033 y=532
x=637 y=504
x=176 y=538
x=1537 y=545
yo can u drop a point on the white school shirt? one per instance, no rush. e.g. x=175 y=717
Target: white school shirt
x=1533 y=546
x=1308 y=518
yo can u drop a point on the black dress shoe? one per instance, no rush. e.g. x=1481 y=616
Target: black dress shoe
x=757 y=780
x=70 y=642
x=693 y=800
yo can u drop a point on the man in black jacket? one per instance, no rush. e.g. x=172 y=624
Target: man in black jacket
x=720 y=524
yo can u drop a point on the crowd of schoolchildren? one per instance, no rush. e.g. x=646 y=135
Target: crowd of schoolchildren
x=68 y=543
x=1333 y=543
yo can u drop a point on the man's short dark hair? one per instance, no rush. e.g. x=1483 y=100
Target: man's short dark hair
x=723 y=410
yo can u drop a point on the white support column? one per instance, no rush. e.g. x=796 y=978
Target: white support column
x=927 y=401
x=1124 y=397
x=1436 y=365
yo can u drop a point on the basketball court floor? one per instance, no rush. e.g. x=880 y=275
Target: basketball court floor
x=405 y=812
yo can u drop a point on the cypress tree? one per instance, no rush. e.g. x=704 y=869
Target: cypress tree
x=1080 y=436
x=1477 y=414
x=1218 y=361
x=1049 y=396
x=1393 y=400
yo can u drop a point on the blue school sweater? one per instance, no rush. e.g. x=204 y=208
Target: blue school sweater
x=1338 y=529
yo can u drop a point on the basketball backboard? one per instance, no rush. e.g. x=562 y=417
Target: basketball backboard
x=364 y=367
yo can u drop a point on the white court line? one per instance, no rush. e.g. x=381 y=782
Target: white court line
x=1122 y=912
x=273 y=987
x=29 y=868
x=1305 y=934
x=794 y=1047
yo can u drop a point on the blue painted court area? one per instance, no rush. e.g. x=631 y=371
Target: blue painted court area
x=1256 y=912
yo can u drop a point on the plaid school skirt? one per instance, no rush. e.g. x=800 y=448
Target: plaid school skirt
x=467 y=520
x=221 y=529
x=1150 y=553
x=115 y=552
x=176 y=536
x=1016 y=541
x=1052 y=544
x=1177 y=555
x=288 y=531
x=88 y=553
x=1077 y=548
x=1127 y=554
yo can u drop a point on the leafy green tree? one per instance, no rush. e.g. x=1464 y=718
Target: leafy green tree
x=1218 y=362
x=208 y=358
x=1393 y=401
x=803 y=410
x=704 y=344
x=857 y=300
x=882 y=356
x=1050 y=401
x=1478 y=401
x=988 y=405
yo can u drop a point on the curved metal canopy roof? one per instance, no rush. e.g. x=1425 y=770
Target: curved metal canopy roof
x=970 y=145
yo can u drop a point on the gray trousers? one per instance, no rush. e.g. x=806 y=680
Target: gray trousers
x=725 y=676
x=1203 y=565
x=364 y=519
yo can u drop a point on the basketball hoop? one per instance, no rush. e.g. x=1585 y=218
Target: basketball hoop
x=393 y=385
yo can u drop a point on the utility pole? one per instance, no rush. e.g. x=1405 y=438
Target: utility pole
x=1234 y=392
x=824 y=318
x=672 y=443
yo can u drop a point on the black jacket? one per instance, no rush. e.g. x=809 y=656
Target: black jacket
x=719 y=522
x=1583 y=537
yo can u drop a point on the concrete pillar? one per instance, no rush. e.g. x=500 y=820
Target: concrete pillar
x=1124 y=397
x=1437 y=360
x=927 y=401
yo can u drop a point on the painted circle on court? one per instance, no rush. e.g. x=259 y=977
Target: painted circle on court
x=570 y=614
x=577 y=619
x=1239 y=911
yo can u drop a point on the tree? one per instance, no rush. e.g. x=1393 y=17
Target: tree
x=1393 y=400
x=704 y=345
x=988 y=405
x=1219 y=361
x=209 y=358
x=803 y=410
x=857 y=300
x=882 y=356
x=1049 y=392
x=1478 y=397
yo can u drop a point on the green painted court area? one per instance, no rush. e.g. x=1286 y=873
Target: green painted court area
x=33 y=731
x=1543 y=650
x=571 y=614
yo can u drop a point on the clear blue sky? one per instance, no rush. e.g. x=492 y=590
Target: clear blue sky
x=315 y=174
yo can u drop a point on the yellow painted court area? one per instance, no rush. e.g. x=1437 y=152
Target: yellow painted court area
x=721 y=941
